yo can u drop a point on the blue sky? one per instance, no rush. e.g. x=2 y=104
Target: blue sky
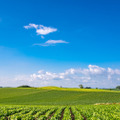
x=68 y=34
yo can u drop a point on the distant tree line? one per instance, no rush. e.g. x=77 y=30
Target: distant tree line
x=81 y=87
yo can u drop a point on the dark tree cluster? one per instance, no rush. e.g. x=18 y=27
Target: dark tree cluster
x=118 y=87
x=81 y=87
x=24 y=86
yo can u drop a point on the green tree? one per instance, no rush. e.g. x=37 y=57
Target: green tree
x=87 y=87
x=24 y=86
x=118 y=87
x=81 y=86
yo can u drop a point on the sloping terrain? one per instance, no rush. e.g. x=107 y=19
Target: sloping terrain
x=56 y=96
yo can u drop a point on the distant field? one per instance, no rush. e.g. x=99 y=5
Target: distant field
x=56 y=96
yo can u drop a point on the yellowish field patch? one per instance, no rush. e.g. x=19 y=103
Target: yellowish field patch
x=76 y=89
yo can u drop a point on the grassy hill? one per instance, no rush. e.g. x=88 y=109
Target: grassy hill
x=56 y=96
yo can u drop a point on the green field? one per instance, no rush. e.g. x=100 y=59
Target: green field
x=56 y=96
x=80 y=112
x=53 y=103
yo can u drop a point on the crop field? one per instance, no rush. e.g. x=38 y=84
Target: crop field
x=82 y=112
x=56 y=96
x=52 y=103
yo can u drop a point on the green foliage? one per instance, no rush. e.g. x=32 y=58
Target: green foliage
x=118 y=87
x=87 y=87
x=24 y=86
x=81 y=86
x=57 y=114
x=67 y=114
x=77 y=114
x=100 y=112
x=80 y=112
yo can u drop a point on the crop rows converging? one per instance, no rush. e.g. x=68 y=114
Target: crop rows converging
x=83 y=112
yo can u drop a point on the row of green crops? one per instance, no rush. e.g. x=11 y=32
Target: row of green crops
x=81 y=112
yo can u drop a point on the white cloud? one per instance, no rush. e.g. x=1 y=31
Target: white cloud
x=31 y=26
x=55 y=41
x=93 y=69
x=43 y=30
x=40 y=29
x=51 y=43
x=42 y=37
x=93 y=76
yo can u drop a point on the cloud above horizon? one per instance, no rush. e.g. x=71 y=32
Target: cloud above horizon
x=51 y=43
x=93 y=76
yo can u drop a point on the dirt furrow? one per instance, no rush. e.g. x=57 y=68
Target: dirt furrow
x=84 y=117
x=51 y=115
x=72 y=115
x=62 y=114
x=42 y=113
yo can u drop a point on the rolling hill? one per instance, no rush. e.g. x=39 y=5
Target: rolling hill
x=56 y=96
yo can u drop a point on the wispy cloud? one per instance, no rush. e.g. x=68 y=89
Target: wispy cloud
x=31 y=25
x=51 y=43
x=42 y=37
x=55 y=41
x=41 y=29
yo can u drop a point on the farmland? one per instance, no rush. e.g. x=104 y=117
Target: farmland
x=81 y=112
x=56 y=96
x=58 y=104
